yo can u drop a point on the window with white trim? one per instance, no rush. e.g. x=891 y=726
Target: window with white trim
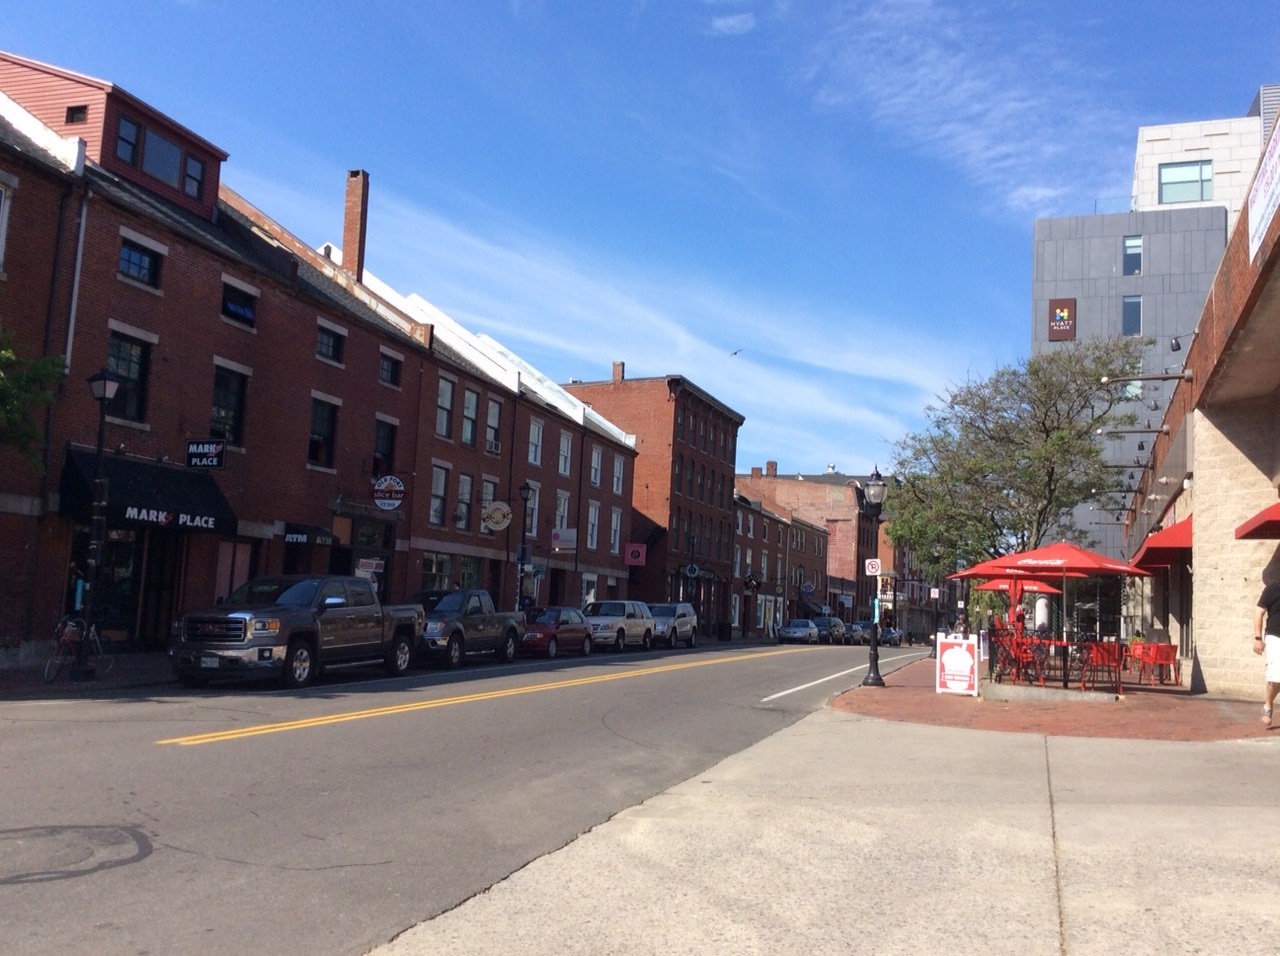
x=535 y=442
x=562 y=509
x=593 y=525
x=566 y=452
x=595 y=466
x=618 y=466
x=615 y=531
x=8 y=184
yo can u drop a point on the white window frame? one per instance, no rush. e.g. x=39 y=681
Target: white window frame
x=566 y=453
x=562 y=509
x=535 y=441
x=618 y=466
x=615 y=531
x=8 y=185
x=593 y=524
x=596 y=458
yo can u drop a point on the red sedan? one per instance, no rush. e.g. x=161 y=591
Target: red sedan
x=548 y=629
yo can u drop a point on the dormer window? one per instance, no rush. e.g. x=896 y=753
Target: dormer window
x=77 y=114
x=161 y=158
x=193 y=181
x=127 y=141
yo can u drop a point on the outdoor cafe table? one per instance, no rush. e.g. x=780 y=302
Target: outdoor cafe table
x=1042 y=660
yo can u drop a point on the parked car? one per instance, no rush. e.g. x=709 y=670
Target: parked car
x=461 y=621
x=799 y=630
x=891 y=636
x=674 y=623
x=549 y=629
x=831 y=630
x=864 y=630
x=620 y=623
x=854 y=634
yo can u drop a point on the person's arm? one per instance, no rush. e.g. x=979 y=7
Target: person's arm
x=1259 y=622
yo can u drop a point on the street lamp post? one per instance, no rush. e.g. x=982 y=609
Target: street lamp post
x=875 y=491
x=526 y=492
x=103 y=385
x=799 y=588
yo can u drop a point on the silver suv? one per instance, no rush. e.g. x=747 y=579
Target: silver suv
x=674 y=623
x=620 y=623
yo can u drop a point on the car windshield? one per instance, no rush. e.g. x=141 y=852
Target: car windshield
x=802 y=622
x=443 y=602
x=662 y=610
x=264 y=592
x=605 y=609
x=544 y=615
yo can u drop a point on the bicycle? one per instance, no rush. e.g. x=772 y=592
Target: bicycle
x=71 y=631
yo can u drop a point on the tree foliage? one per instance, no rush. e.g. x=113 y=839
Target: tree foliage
x=25 y=385
x=1006 y=460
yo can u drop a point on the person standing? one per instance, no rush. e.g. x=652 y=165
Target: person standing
x=1266 y=641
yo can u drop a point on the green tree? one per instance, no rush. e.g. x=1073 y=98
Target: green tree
x=25 y=385
x=1006 y=460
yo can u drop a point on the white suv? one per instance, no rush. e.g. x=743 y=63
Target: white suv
x=620 y=623
x=674 y=623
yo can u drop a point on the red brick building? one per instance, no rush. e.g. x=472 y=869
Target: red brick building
x=349 y=438
x=686 y=440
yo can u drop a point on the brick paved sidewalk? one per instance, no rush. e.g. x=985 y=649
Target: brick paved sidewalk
x=1143 y=713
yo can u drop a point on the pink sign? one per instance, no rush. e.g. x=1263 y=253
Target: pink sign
x=957 y=665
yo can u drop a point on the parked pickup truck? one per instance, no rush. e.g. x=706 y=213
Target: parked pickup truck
x=462 y=620
x=289 y=627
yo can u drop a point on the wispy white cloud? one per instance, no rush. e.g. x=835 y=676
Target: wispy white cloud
x=734 y=25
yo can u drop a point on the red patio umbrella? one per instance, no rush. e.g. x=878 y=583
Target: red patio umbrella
x=1016 y=585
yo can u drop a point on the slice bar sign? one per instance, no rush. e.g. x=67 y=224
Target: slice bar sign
x=206 y=453
x=388 y=492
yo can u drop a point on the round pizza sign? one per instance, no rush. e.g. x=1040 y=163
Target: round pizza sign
x=388 y=492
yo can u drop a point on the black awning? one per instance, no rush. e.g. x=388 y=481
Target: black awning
x=308 y=534
x=145 y=493
x=809 y=609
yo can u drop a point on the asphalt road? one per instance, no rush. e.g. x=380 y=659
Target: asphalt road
x=241 y=819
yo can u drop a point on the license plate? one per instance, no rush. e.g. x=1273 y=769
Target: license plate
x=208 y=662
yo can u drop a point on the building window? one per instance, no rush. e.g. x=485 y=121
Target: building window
x=384 y=448
x=127 y=141
x=462 y=513
x=535 y=442
x=596 y=456
x=239 y=305
x=130 y=359
x=439 y=485
x=677 y=469
x=444 y=408
x=470 y=416
x=161 y=159
x=324 y=432
x=615 y=531
x=680 y=422
x=7 y=185
x=77 y=114
x=618 y=465
x=1131 y=317
x=1132 y=255
x=493 y=427
x=566 y=452
x=737 y=560
x=389 y=369
x=437 y=571
x=139 y=263
x=488 y=495
x=535 y=500
x=330 y=344
x=229 y=388
x=593 y=525
x=193 y=180
x=1186 y=182
x=562 y=509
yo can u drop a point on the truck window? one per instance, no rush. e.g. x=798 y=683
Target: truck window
x=360 y=593
x=333 y=589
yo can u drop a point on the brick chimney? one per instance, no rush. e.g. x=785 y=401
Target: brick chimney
x=619 y=371
x=771 y=469
x=756 y=472
x=355 y=219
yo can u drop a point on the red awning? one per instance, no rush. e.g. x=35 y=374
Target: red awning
x=1265 y=524
x=1166 y=546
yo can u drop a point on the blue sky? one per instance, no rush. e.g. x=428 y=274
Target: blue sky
x=843 y=191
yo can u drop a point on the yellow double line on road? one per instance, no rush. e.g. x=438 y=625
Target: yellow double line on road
x=243 y=732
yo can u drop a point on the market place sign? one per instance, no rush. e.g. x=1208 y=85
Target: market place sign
x=206 y=453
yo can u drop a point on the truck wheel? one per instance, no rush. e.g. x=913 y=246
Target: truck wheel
x=620 y=641
x=453 y=653
x=399 y=655
x=552 y=647
x=299 y=664
x=506 y=652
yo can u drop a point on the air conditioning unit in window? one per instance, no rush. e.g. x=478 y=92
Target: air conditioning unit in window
x=493 y=447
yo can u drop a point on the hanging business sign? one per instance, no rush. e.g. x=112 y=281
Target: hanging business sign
x=206 y=453
x=1062 y=320
x=388 y=492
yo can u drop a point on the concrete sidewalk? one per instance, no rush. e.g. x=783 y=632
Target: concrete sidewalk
x=888 y=825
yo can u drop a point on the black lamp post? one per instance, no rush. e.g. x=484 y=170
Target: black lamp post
x=103 y=385
x=526 y=492
x=875 y=491
x=799 y=589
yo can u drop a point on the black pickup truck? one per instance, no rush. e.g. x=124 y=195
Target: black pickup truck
x=289 y=627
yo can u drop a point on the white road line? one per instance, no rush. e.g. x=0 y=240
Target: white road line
x=813 y=683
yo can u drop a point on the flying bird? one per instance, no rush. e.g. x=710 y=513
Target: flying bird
x=734 y=352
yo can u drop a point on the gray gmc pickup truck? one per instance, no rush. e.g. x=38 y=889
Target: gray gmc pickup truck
x=291 y=626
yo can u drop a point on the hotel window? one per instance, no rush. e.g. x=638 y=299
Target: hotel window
x=566 y=452
x=127 y=133
x=595 y=467
x=239 y=303
x=331 y=342
x=615 y=531
x=384 y=447
x=390 y=367
x=444 y=408
x=1131 y=315
x=229 y=388
x=324 y=431
x=130 y=359
x=470 y=416
x=439 y=485
x=535 y=442
x=1186 y=182
x=140 y=263
x=593 y=525
x=618 y=465
x=462 y=514
x=488 y=494
x=492 y=427
x=1132 y=255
